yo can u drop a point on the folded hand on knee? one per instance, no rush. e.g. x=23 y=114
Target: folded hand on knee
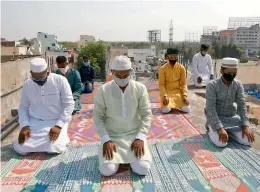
x=165 y=100
x=138 y=147
x=108 y=149
x=223 y=136
x=54 y=133
x=24 y=134
x=247 y=132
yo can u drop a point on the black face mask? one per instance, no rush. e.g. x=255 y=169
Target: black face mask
x=172 y=62
x=40 y=82
x=229 y=77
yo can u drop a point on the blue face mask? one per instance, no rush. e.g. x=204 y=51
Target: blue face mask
x=86 y=63
x=40 y=82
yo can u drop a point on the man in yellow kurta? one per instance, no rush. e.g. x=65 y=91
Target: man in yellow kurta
x=122 y=115
x=173 y=84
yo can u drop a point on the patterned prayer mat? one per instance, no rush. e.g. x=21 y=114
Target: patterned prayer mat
x=151 y=85
x=82 y=129
x=89 y=98
x=164 y=126
x=186 y=163
x=190 y=165
x=170 y=126
x=243 y=161
x=153 y=91
x=75 y=169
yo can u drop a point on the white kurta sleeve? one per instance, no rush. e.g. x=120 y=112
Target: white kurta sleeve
x=145 y=113
x=195 y=67
x=23 y=111
x=99 y=114
x=211 y=70
x=67 y=102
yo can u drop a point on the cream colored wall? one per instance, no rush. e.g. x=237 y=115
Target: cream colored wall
x=13 y=75
x=13 y=50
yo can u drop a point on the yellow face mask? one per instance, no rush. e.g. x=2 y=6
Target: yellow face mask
x=173 y=57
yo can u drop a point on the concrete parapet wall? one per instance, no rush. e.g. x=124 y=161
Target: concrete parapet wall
x=13 y=50
x=252 y=87
x=13 y=75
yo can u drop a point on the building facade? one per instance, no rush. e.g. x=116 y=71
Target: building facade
x=248 y=38
x=85 y=39
x=8 y=51
x=112 y=53
x=142 y=54
x=210 y=39
x=226 y=37
x=48 y=42
x=10 y=43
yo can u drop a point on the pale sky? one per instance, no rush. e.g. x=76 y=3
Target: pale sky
x=118 y=20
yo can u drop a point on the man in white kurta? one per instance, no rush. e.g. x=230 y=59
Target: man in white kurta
x=45 y=111
x=122 y=115
x=202 y=69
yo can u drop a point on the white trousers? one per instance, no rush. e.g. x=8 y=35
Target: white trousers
x=140 y=167
x=205 y=79
x=39 y=140
x=236 y=135
x=185 y=109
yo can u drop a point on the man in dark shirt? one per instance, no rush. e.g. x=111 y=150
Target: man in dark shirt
x=88 y=74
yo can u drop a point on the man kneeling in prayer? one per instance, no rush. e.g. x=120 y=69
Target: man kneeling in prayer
x=122 y=115
x=173 y=84
x=45 y=111
x=222 y=120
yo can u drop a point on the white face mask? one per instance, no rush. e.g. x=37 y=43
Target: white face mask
x=64 y=70
x=203 y=53
x=121 y=82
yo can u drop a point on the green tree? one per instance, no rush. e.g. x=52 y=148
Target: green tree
x=190 y=54
x=25 y=41
x=223 y=51
x=216 y=51
x=234 y=52
x=97 y=53
x=229 y=51
x=69 y=44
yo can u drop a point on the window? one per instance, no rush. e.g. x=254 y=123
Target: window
x=53 y=44
x=45 y=36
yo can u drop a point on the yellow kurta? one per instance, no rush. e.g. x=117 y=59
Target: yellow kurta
x=173 y=83
x=122 y=116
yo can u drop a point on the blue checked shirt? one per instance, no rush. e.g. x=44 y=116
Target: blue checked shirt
x=220 y=100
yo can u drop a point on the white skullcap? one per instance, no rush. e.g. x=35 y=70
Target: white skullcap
x=38 y=65
x=229 y=62
x=121 y=63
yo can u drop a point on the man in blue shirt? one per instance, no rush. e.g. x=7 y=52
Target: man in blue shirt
x=88 y=74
